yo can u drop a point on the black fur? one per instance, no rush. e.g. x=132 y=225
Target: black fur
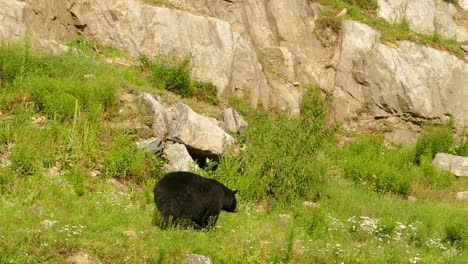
x=188 y=195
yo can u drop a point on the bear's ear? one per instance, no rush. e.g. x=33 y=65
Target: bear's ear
x=234 y=192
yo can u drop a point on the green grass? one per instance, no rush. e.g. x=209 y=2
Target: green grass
x=57 y=127
x=170 y=73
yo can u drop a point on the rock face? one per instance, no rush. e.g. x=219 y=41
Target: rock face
x=454 y=164
x=425 y=16
x=199 y=133
x=264 y=51
x=409 y=82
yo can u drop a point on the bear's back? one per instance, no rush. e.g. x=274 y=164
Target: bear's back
x=182 y=181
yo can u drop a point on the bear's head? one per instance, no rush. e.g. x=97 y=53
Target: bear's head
x=230 y=202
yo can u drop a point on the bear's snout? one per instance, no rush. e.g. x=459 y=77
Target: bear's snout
x=235 y=210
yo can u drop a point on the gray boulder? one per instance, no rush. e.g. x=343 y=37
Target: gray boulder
x=160 y=118
x=233 y=121
x=199 y=133
x=178 y=157
x=455 y=164
x=151 y=145
x=197 y=259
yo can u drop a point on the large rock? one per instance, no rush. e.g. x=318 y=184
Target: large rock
x=160 y=117
x=200 y=135
x=178 y=157
x=197 y=259
x=233 y=121
x=11 y=20
x=424 y=16
x=154 y=145
x=455 y=164
x=410 y=82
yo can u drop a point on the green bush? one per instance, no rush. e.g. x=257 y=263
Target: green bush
x=16 y=62
x=281 y=159
x=456 y=233
x=367 y=160
x=169 y=73
x=123 y=160
x=432 y=141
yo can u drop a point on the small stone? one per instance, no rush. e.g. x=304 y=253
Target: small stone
x=38 y=209
x=52 y=172
x=342 y=13
x=197 y=259
x=95 y=173
x=464 y=48
x=310 y=204
x=87 y=76
x=48 y=223
x=462 y=196
x=82 y=258
x=412 y=199
x=151 y=145
x=284 y=220
x=130 y=233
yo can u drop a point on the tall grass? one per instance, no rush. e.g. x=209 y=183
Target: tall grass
x=281 y=158
x=170 y=73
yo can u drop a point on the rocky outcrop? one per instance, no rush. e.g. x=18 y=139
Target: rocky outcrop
x=409 y=82
x=265 y=51
x=199 y=133
x=455 y=164
x=159 y=115
x=178 y=158
x=233 y=121
x=425 y=16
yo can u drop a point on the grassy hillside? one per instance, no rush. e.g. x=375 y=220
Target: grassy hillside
x=61 y=122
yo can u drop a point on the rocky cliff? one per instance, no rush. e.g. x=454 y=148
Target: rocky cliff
x=266 y=51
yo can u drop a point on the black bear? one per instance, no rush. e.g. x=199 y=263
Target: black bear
x=184 y=194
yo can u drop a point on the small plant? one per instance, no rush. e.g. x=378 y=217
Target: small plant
x=169 y=73
x=432 y=141
x=123 y=160
x=456 y=233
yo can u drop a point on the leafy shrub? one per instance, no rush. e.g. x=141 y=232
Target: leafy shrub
x=456 y=233
x=169 y=73
x=432 y=141
x=281 y=159
x=77 y=179
x=123 y=160
x=369 y=161
x=16 y=61
x=25 y=159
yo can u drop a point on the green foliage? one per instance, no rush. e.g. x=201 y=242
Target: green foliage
x=123 y=160
x=365 y=4
x=172 y=74
x=168 y=73
x=16 y=62
x=364 y=11
x=369 y=161
x=456 y=233
x=432 y=141
x=281 y=159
